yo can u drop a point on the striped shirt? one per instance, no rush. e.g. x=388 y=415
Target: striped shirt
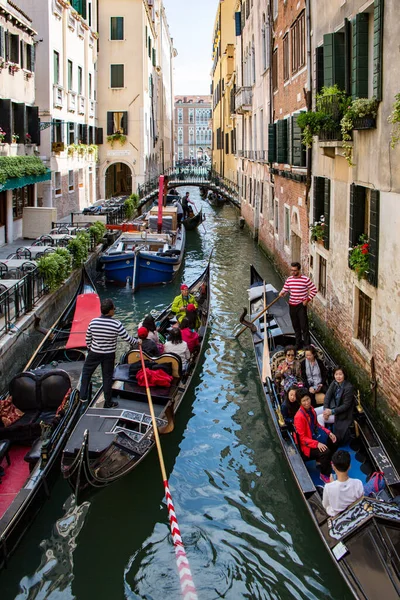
x=300 y=288
x=103 y=332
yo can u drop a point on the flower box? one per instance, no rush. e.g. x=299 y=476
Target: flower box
x=364 y=123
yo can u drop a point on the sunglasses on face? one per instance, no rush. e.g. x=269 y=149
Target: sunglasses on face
x=290 y=354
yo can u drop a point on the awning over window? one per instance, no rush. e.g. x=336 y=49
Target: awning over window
x=19 y=182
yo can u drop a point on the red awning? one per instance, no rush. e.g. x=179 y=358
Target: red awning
x=87 y=308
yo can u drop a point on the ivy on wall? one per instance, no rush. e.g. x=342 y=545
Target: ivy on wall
x=20 y=166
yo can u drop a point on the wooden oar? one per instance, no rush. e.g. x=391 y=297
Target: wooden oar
x=260 y=314
x=185 y=575
x=266 y=367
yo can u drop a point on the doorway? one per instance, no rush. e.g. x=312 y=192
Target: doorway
x=118 y=180
x=296 y=248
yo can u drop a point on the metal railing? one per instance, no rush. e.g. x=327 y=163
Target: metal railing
x=261 y=155
x=20 y=299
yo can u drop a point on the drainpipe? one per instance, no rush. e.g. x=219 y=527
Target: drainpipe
x=308 y=96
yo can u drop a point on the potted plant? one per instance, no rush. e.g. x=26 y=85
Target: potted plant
x=116 y=137
x=2 y=135
x=325 y=120
x=394 y=119
x=28 y=138
x=359 y=257
x=360 y=114
x=15 y=138
x=317 y=230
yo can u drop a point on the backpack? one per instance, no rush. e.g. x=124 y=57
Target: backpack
x=375 y=484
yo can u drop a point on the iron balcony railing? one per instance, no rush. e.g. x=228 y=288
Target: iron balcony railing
x=332 y=107
x=260 y=155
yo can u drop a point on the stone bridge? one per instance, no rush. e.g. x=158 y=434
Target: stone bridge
x=202 y=177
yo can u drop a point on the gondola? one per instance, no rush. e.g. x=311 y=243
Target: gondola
x=47 y=394
x=216 y=199
x=108 y=443
x=193 y=222
x=364 y=540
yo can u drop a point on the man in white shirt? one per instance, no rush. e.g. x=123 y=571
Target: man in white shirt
x=339 y=494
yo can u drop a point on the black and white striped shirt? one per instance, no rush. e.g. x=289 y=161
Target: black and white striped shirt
x=103 y=332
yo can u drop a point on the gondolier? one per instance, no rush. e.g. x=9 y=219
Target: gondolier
x=101 y=340
x=302 y=291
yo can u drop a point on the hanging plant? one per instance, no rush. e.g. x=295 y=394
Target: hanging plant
x=360 y=108
x=71 y=149
x=116 y=137
x=359 y=257
x=93 y=149
x=394 y=119
x=317 y=230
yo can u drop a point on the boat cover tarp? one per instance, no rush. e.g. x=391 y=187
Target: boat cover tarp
x=87 y=308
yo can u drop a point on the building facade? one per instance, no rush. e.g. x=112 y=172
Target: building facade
x=66 y=55
x=193 y=133
x=135 y=109
x=19 y=120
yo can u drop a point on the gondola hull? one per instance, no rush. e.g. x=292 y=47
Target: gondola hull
x=363 y=541
x=193 y=222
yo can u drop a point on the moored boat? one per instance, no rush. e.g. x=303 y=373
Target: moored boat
x=364 y=540
x=46 y=393
x=108 y=443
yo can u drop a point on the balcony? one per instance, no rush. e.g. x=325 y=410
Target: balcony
x=243 y=100
x=58 y=96
x=71 y=102
x=258 y=155
x=92 y=105
x=81 y=105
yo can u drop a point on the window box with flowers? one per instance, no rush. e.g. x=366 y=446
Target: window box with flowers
x=12 y=68
x=116 y=137
x=359 y=257
x=3 y=136
x=317 y=230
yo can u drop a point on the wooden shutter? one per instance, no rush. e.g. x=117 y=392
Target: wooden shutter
x=378 y=45
x=357 y=214
x=299 y=151
x=33 y=124
x=31 y=49
x=360 y=56
x=272 y=142
x=238 y=23
x=319 y=68
x=374 y=238
x=348 y=44
x=6 y=118
x=84 y=134
x=289 y=143
x=334 y=63
x=6 y=46
x=154 y=57
x=318 y=198
x=2 y=49
x=327 y=211
x=281 y=146
x=124 y=123
x=20 y=121
x=99 y=135
x=110 y=123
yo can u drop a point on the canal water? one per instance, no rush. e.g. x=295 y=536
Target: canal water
x=243 y=523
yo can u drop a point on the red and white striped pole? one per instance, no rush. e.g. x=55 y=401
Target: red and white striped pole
x=185 y=575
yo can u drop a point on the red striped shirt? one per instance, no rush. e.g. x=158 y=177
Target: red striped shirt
x=300 y=288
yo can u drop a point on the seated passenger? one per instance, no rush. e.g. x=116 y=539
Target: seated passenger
x=339 y=494
x=290 y=405
x=189 y=335
x=180 y=302
x=192 y=315
x=177 y=346
x=288 y=372
x=148 y=346
x=338 y=405
x=151 y=327
x=314 y=375
x=316 y=442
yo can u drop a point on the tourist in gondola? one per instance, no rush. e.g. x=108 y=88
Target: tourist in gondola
x=339 y=494
x=290 y=406
x=176 y=345
x=302 y=291
x=148 y=345
x=189 y=335
x=288 y=372
x=181 y=302
x=316 y=442
x=101 y=341
x=338 y=405
x=314 y=375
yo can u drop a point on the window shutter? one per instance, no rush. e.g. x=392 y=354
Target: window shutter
x=154 y=57
x=238 y=23
x=124 y=123
x=289 y=144
x=34 y=124
x=110 y=123
x=21 y=54
x=348 y=42
x=2 y=53
x=281 y=134
x=84 y=134
x=6 y=118
x=20 y=121
x=327 y=211
x=99 y=135
x=357 y=213
x=378 y=44
x=374 y=238
x=334 y=63
x=32 y=50
x=299 y=151
x=318 y=198
x=272 y=142
x=6 y=46
x=319 y=68
x=360 y=56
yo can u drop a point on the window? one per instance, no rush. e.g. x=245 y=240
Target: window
x=364 y=319
x=56 y=67
x=287 y=226
x=180 y=154
x=71 y=181
x=275 y=70
x=30 y=57
x=70 y=75
x=57 y=183
x=286 y=66
x=227 y=143
x=90 y=85
x=79 y=80
x=322 y=205
x=117 y=122
x=58 y=133
x=191 y=135
x=180 y=115
x=117 y=76
x=180 y=135
x=71 y=133
x=276 y=216
x=364 y=220
x=298 y=43
x=191 y=115
x=14 y=48
x=322 y=276
x=117 y=28
x=22 y=197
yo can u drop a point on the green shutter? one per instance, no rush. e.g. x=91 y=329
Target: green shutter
x=334 y=60
x=6 y=118
x=298 y=149
x=319 y=68
x=318 y=198
x=20 y=121
x=154 y=57
x=124 y=123
x=272 y=143
x=281 y=136
x=373 y=238
x=289 y=144
x=327 y=211
x=357 y=213
x=378 y=44
x=360 y=56
x=110 y=123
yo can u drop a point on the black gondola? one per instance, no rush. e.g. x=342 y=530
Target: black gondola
x=108 y=443
x=364 y=540
x=193 y=222
x=46 y=391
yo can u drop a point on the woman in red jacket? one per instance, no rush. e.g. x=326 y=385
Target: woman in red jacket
x=315 y=441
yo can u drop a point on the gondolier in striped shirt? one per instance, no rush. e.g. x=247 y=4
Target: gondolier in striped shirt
x=101 y=341
x=302 y=291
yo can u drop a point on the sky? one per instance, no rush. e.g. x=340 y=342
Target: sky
x=191 y=26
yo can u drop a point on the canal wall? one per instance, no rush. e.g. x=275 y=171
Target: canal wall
x=17 y=347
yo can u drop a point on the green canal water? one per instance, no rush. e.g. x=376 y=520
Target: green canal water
x=243 y=523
